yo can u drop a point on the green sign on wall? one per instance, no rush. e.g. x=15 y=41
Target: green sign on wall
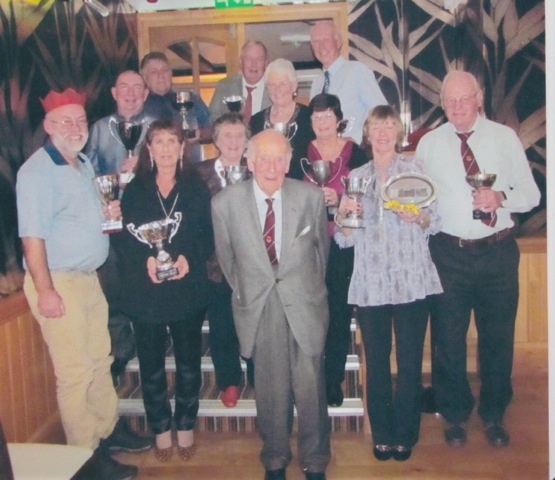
x=233 y=3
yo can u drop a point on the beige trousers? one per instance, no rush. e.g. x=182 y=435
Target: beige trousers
x=79 y=346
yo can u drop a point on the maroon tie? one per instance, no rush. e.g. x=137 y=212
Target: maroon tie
x=270 y=233
x=471 y=168
x=247 y=111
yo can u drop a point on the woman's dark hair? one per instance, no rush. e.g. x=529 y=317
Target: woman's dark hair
x=146 y=167
x=378 y=114
x=325 y=101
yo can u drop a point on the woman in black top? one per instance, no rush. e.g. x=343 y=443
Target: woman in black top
x=286 y=115
x=166 y=187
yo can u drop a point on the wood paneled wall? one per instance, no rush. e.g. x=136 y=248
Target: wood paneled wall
x=28 y=407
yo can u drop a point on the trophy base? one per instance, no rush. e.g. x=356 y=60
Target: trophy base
x=166 y=273
x=352 y=222
x=112 y=226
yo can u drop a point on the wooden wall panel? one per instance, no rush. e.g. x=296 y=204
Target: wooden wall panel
x=27 y=384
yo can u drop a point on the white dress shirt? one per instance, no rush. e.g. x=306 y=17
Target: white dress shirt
x=262 y=208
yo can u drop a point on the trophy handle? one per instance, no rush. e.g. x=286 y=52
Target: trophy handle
x=115 y=134
x=133 y=230
x=175 y=222
x=294 y=126
x=303 y=161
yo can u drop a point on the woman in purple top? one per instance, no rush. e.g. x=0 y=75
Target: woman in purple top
x=326 y=118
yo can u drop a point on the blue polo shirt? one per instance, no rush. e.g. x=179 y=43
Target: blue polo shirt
x=58 y=203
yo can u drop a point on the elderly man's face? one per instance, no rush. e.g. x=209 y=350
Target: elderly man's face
x=253 y=63
x=158 y=76
x=268 y=159
x=130 y=93
x=326 y=43
x=461 y=101
x=68 y=129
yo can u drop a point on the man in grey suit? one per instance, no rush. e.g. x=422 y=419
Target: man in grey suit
x=254 y=58
x=279 y=300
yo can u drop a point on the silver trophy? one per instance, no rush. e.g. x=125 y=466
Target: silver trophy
x=184 y=102
x=234 y=103
x=319 y=172
x=128 y=134
x=235 y=174
x=477 y=181
x=107 y=187
x=155 y=233
x=288 y=130
x=355 y=188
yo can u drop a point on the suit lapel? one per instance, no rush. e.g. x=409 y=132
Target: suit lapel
x=290 y=219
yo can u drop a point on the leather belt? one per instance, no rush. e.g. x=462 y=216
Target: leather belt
x=477 y=242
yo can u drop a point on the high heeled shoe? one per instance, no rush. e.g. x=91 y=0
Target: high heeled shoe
x=163 y=454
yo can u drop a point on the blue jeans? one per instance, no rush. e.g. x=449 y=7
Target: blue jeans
x=483 y=279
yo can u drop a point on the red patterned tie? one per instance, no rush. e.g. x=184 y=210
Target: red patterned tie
x=270 y=232
x=247 y=111
x=471 y=168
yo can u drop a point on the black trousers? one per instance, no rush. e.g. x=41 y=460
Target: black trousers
x=394 y=413
x=483 y=279
x=151 y=351
x=119 y=324
x=224 y=346
x=338 y=278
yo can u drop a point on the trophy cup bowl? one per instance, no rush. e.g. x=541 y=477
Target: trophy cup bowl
x=107 y=188
x=234 y=103
x=355 y=188
x=129 y=134
x=184 y=102
x=320 y=171
x=235 y=174
x=155 y=234
x=477 y=181
x=288 y=130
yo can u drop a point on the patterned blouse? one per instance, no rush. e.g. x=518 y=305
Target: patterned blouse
x=392 y=260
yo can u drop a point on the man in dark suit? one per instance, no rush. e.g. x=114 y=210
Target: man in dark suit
x=254 y=58
x=272 y=244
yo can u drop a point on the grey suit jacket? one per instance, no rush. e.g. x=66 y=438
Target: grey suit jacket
x=232 y=85
x=300 y=279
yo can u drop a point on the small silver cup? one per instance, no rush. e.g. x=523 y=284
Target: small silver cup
x=155 y=234
x=288 y=130
x=107 y=188
x=477 y=181
x=355 y=188
x=234 y=103
x=235 y=174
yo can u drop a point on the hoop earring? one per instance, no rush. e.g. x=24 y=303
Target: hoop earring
x=151 y=162
x=181 y=162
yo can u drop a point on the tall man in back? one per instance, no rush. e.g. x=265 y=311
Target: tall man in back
x=476 y=255
x=272 y=244
x=248 y=83
x=60 y=218
x=352 y=81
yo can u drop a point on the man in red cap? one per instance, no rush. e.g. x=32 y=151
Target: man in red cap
x=60 y=219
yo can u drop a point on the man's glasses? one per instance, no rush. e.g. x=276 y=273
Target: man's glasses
x=464 y=100
x=68 y=123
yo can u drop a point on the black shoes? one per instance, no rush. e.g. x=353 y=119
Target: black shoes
x=278 y=474
x=455 y=435
x=126 y=440
x=401 y=452
x=315 y=476
x=398 y=452
x=496 y=434
x=334 y=394
x=382 y=452
x=102 y=466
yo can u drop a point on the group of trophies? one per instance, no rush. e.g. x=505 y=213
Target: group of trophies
x=407 y=191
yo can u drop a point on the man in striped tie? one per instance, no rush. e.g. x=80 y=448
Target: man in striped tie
x=476 y=255
x=272 y=245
